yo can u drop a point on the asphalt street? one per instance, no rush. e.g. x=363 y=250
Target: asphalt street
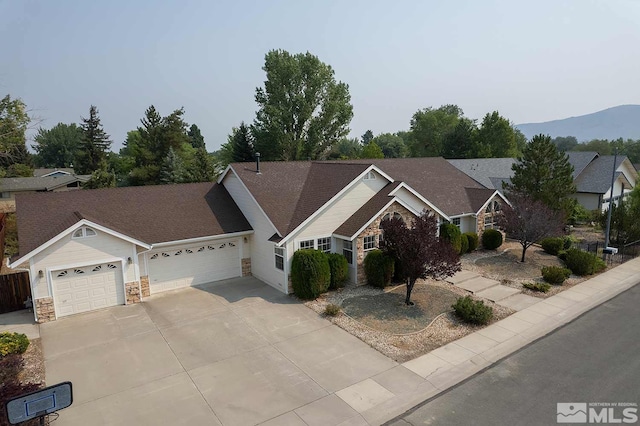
x=594 y=359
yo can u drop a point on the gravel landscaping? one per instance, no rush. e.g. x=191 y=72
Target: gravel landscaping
x=396 y=330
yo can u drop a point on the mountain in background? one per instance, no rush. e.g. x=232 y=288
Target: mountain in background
x=618 y=122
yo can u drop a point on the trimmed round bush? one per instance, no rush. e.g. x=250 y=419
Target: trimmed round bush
x=378 y=268
x=552 y=245
x=555 y=274
x=13 y=343
x=491 y=239
x=332 y=310
x=472 y=240
x=472 y=311
x=581 y=262
x=310 y=273
x=339 y=268
x=451 y=233
x=464 y=244
x=568 y=242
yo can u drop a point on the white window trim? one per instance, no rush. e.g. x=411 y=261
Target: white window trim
x=85 y=234
x=364 y=242
x=324 y=238
x=369 y=176
x=278 y=253
x=311 y=240
x=350 y=250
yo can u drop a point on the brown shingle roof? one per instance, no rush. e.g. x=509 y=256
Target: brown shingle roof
x=478 y=196
x=290 y=192
x=434 y=178
x=151 y=214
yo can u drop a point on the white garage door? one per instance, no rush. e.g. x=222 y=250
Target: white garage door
x=87 y=288
x=186 y=266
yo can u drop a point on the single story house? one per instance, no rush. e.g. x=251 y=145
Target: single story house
x=90 y=249
x=591 y=173
x=43 y=180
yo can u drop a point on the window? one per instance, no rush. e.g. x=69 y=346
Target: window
x=308 y=244
x=347 y=251
x=279 y=253
x=456 y=221
x=369 y=242
x=489 y=222
x=324 y=244
x=369 y=176
x=84 y=232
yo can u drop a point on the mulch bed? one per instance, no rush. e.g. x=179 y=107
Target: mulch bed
x=387 y=312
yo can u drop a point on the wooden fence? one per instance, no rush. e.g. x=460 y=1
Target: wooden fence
x=14 y=290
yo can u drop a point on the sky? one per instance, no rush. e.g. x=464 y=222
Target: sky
x=532 y=61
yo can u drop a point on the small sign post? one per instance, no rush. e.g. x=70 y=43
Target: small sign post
x=39 y=403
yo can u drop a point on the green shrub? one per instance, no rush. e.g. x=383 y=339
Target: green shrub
x=582 y=262
x=472 y=239
x=378 y=268
x=599 y=265
x=310 y=273
x=472 y=311
x=451 y=233
x=555 y=274
x=562 y=255
x=332 y=310
x=464 y=244
x=491 y=239
x=552 y=245
x=339 y=268
x=568 y=242
x=541 y=287
x=13 y=343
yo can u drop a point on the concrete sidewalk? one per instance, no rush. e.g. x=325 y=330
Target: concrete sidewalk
x=387 y=395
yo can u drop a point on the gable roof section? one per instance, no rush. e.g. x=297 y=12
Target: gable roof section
x=47 y=172
x=367 y=212
x=151 y=214
x=580 y=160
x=489 y=172
x=290 y=192
x=596 y=177
x=478 y=197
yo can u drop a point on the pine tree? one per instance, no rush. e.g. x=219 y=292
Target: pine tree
x=203 y=166
x=195 y=137
x=544 y=174
x=242 y=143
x=94 y=144
x=171 y=170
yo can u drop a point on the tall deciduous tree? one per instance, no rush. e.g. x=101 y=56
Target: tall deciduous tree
x=429 y=127
x=57 y=147
x=496 y=138
x=94 y=144
x=392 y=146
x=418 y=250
x=528 y=220
x=371 y=150
x=565 y=143
x=544 y=174
x=345 y=149
x=101 y=178
x=195 y=137
x=15 y=160
x=302 y=110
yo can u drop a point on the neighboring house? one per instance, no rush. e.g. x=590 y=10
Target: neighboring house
x=52 y=172
x=95 y=248
x=591 y=173
x=44 y=180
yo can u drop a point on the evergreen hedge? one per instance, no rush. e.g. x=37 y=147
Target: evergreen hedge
x=310 y=273
x=378 y=268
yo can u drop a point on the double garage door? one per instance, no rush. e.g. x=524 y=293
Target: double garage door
x=186 y=266
x=87 y=288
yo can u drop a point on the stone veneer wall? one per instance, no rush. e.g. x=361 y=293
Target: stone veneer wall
x=144 y=286
x=45 y=310
x=132 y=292
x=374 y=229
x=246 y=267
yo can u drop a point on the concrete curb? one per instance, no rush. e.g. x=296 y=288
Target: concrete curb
x=439 y=370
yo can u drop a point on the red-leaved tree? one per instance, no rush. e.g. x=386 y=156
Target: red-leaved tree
x=528 y=220
x=417 y=250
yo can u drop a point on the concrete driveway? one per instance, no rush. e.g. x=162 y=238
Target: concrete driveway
x=233 y=353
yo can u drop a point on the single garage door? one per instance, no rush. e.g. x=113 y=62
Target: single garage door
x=87 y=288
x=186 y=266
